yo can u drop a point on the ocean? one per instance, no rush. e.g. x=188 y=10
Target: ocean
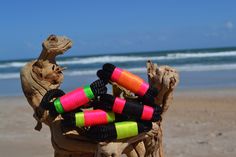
x=199 y=68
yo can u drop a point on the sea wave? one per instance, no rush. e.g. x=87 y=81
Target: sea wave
x=202 y=67
x=105 y=59
x=181 y=68
x=128 y=58
x=201 y=55
x=135 y=58
x=12 y=64
x=9 y=75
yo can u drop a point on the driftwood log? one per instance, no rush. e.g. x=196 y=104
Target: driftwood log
x=43 y=74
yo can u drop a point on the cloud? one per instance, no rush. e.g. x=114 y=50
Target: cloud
x=229 y=25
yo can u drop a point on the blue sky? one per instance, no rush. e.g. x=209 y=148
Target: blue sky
x=106 y=26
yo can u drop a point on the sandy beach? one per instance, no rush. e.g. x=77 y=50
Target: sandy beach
x=198 y=123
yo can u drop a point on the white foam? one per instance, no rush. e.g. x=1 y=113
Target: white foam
x=12 y=64
x=106 y=59
x=201 y=55
x=186 y=67
x=9 y=75
x=122 y=59
x=132 y=58
x=200 y=67
x=80 y=72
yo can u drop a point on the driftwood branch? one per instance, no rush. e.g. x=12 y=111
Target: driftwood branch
x=43 y=74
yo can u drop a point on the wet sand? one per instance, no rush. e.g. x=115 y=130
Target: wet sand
x=198 y=123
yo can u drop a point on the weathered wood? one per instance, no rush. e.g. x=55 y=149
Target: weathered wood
x=43 y=74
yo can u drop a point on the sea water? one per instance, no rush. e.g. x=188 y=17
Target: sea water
x=199 y=68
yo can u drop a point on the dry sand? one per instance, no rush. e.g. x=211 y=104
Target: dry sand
x=200 y=123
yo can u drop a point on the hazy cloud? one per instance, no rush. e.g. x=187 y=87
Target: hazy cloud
x=229 y=25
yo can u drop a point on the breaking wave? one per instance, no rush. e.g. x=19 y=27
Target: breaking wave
x=126 y=58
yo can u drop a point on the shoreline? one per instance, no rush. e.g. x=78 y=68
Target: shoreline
x=200 y=122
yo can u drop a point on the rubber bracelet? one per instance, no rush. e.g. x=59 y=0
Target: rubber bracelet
x=147 y=113
x=119 y=105
x=126 y=129
x=58 y=106
x=93 y=117
x=79 y=119
x=129 y=81
x=76 y=98
x=89 y=93
x=118 y=130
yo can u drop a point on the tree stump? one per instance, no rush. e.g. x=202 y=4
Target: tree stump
x=43 y=74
